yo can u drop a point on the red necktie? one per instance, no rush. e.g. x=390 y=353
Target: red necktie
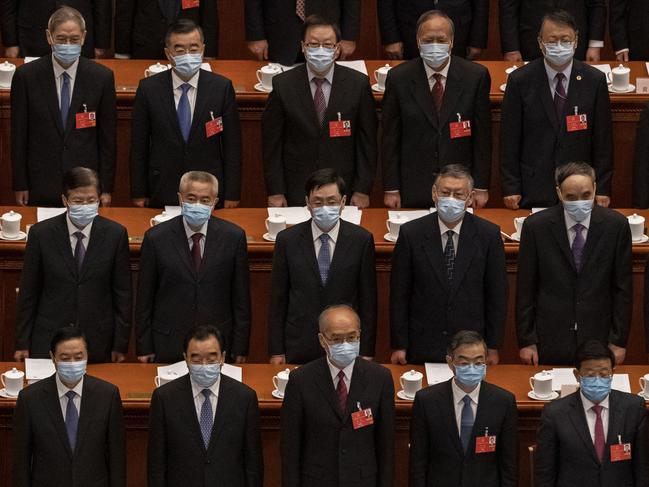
x=341 y=391
x=299 y=9
x=438 y=92
x=599 y=433
x=196 y=250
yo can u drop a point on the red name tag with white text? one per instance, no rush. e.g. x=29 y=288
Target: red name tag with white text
x=575 y=123
x=190 y=4
x=213 y=127
x=485 y=444
x=86 y=120
x=460 y=129
x=340 y=128
x=620 y=452
x=362 y=418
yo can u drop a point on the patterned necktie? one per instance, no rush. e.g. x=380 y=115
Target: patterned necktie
x=319 y=100
x=560 y=95
x=79 y=249
x=184 y=111
x=341 y=391
x=324 y=258
x=71 y=419
x=299 y=9
x=578 y=245
x=196 y=250
x=466 y=423
x=206 y=420
x=438 y=92
x=599 y=433
x=65 y=98
x=449 y=256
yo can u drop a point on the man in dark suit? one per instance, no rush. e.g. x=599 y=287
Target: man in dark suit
x=308 y=277
x=77 y=271
x=274 y=27
x=398 y=20
x=22 y=23
x=597 y=436
x=63 y=115
x=574 y=274
x=464 y=431
x=204 y=426
x=193 y=271
x=628 y=27
x=184 y=119
x=337 y=419
x=68 y=429
x=319 y=115
x=520 y=21
x=555 y=110
x=641 y=162
x=421 y=129
x=140 y=26
x=465 y=254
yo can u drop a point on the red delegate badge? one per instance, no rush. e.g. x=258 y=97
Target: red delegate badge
x=620 y=452
x=340 y=128
x=485 y=444
x=214 y=126
x=576 y=122
x=86 y=119
x=362 y=417
x=190 y=4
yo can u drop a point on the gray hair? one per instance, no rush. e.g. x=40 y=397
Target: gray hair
x=431 y=14
x=457 y=171
x=198 y=177
x=573 y=169
x=63 y=15
x=322 y=318
x=462 y=338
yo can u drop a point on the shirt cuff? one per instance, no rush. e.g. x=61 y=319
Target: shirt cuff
x=626 y=49
x=478 y=189
x=122 y=56
x=593 y=43
x=392 y=191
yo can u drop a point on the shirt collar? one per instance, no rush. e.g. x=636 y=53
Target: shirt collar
x=62 y=389
x=59 y=70
x=333 y=233
x=430 y=71
x=571 y=223
x=189 y=232
x=458 y=394
x=72 y=229
x=588 y=404
x=176 y=81
x=443 y=228
x=198 y=390
x=329 y=76
x=552 y=73
x=335 y=370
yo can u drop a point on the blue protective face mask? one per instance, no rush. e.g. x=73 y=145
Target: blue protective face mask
x=71 y=372
x=82 y=215
x=470 y=375
x=434 y=54
x=559 y=53
x=205 y=375
x=325 y=217
x=187 y=65
x=450 y=209
x=596 y=388
x=66 y=53
x=578 y=210
x=320 y=59
x=196 y=214
x=343 y=354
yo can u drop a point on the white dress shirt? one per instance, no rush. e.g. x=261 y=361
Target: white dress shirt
x=73 y=229
x=347 y=371
x=456 y=234
x=199 y=398
x=430 y=72
x=58 y=76
x=191 y=93
x=333 y=237
x=326 y=86
x=62 y=390
x=552 y=73
x=458 y=402
x=570 y=227
x=591 y=417
x=189 y=232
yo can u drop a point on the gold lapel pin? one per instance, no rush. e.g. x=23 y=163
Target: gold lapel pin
x=579 y=77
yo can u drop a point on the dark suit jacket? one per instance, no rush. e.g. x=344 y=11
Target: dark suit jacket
x=417 y=142
x=319 y=446
x=41 y=150
x=276 y=21
x=565 y=455
x=297 y=295
x=172 y=298
x=436 y=454
x=23 y=23
x=552 y=298
x=294 y=145
x=160 y=156
x=641 y=162
x=140 y=26
x=628 y=27
x=41 y=449
x=534 y=141
x=54 y=293
x=398 y=22
x=177 y=454
x=520 y=22
x=424 y=312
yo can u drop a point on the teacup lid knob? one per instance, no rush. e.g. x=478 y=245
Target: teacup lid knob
x=413 y=372
x=387 y=65
x=287 y=370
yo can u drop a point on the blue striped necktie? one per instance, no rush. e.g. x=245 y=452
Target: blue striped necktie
x=184 y=111
x=65 y=98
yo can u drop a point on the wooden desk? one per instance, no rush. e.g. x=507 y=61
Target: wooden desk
x=260 y=255
x=626 y=109
x=135 y=382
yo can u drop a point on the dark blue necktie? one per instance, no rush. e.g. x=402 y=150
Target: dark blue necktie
x=449 y=256
x=207 y=418
x=71 y=419
x=324 y=258
x=184 y=111
x=466 y=422
x=65 y=98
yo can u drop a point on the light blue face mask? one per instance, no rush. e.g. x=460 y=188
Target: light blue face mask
x=595 y=388
x=326 y=217
x=470 y=375
x=578 y=210
x=343 y=354
x=196 y=214
x=559 y=53
x=205 y=375
x=82 y=215
x=320 y=59
x=187 y=65
x=71 y=372
x=434 y=54
x=450 y=209
x=66 y=53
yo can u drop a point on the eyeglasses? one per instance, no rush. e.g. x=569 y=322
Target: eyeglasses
x=81 y=201
x=339 y=340
x=203 y=201
x=459 y=195
x=191 y=50
x=316 y=45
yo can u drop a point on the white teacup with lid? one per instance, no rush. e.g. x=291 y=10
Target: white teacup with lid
x=155 y=69
x=280 y=381
x=266 y=74
x=7 y=71
x=636 y=224
x=619 y=78
x=161 y=217
x=411 y=383
x=10 y=224
x=12 y=380
x=381 y=75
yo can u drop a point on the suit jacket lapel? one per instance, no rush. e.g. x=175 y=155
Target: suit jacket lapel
x=85 y=412
x=547 y=96
x=50 y=90
x=187 y=411
x=223 y=406
x=340 y=252
x=481 y=423
x=432 y=244
x=303 y=93
x=452 y=93
x=53 y=406
x=336 y=99
x=202 y=95
x=326 y=385
x=465 y=251
x=76 y=100
x=94 y=244
x=422 y=95
x=169 y=103
x=211 y=246
x=560 y=234
x=357 y=387
x=308 y=249
x=595 y=231
x=574 y=95
x=615 y=425
x=182 y=245
x=63 y=243
x=447 y=410
x=578 y=419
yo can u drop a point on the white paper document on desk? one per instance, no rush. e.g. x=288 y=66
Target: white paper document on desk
x=356 y=65
x=299 y=214
x=38 y=368
x=436 y=373
x=47 y=213
x=604 y=68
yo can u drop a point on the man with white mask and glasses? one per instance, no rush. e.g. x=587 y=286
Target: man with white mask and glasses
x=319 y=115
x=337 y=418
x=320 y=262
x=556 y=110
x=574 y=274
x=436 y=111
x=448 y=274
